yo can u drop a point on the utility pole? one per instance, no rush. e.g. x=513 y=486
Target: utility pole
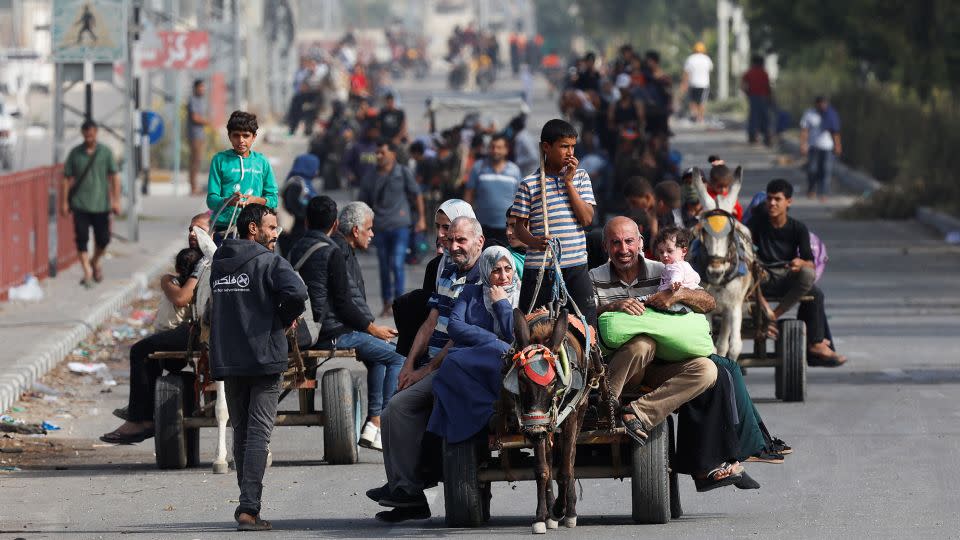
x=724 y=11
x=238 y=96
x=132 y=124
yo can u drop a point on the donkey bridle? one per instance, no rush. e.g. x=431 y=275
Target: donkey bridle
x=733 y=253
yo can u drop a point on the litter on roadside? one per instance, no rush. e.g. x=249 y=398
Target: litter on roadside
x=30 y=291
x=95 y=368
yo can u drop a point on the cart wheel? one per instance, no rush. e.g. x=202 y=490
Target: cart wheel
x=359 y=401
x=676 y=509
x=463 y=496
x=339 y=417
x=793 y=360
x=189 y=409
x=650 y=483
x=172 y=442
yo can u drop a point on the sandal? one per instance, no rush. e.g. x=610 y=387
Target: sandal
x=766 y=456
x=257 y=524
x=832 y=360
x=634 y=427
x=713 y=480
x=87 y=283
x=777 y=446
x=115 y=437
x=97 y=274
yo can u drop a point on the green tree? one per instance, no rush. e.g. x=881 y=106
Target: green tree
x=915 y=44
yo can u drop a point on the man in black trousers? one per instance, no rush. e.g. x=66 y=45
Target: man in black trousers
x=257 y=297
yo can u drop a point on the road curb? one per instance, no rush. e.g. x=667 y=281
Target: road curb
x=31 y=367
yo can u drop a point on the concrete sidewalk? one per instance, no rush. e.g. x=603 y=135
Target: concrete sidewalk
x=38 y=335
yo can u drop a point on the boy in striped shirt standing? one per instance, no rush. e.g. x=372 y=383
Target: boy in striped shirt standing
x=570 y=207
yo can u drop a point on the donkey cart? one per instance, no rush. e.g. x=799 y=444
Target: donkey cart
x=471 y=466
x=789 y=355
x=188 y=400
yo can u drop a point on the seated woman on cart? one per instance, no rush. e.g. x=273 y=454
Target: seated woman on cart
x=481 y=327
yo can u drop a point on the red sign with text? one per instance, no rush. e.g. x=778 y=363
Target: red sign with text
x=178 y=51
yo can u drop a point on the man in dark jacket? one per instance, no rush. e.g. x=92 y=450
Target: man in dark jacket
x=256 y=297
x=337 y=294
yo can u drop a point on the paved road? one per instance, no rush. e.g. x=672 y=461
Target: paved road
x=877 y=446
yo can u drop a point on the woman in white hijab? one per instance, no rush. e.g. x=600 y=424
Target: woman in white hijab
x=481 y=327
x=450 y=210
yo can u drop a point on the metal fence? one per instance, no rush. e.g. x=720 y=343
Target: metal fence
x=25 y=205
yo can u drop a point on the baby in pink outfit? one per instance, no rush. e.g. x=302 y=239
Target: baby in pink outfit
x=671 y=246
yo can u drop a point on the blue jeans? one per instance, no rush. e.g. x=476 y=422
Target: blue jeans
x=759 y=120
x=383 y=367
x=391 y=251
x=819 y=171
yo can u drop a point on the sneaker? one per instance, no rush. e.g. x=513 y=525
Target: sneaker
x=401 y=499
x=370 y=437
x=377 y=443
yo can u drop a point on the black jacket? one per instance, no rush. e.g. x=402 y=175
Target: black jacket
x=256 y=295
x=337 y=303
x=358 y=289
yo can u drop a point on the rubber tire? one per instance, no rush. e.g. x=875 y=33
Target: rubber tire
x=793 y=360
x=170 y=438
x=463 y=496
x=650 y=483
x=676 y=508
x=360 y=403
x=339 y=427
x=189 y=409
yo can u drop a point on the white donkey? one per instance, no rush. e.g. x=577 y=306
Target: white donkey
x=200 y=305
x=726 y=255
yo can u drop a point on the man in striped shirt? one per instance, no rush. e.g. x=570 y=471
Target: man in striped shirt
x=404 y=421
x=570 y=206
x=628 y=283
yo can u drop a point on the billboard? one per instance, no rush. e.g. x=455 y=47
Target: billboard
x=89 y=30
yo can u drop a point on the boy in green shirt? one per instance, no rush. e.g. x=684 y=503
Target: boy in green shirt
x=239 y=176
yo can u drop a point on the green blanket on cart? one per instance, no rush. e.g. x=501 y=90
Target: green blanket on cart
x=679 y=336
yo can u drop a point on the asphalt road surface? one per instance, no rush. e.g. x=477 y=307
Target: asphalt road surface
x=877 y=448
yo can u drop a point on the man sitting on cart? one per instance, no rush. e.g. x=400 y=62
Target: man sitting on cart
x=328 y=266
x=138 y=414
x=404 y=421
x=620 y=285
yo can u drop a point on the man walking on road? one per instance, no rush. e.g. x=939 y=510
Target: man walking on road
x=696 y=79
x=257 y=296
x=91 y=191
x=756 y=85
x=389 y=189
x=196 y=122
x=490 y=189
x=820 y=142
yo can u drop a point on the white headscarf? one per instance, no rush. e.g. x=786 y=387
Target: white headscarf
x=452 y=208
x=488 y=261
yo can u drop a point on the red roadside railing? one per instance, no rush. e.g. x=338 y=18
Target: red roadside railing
x=26 y=201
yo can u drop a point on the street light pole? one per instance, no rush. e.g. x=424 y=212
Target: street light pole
x=724 y=10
